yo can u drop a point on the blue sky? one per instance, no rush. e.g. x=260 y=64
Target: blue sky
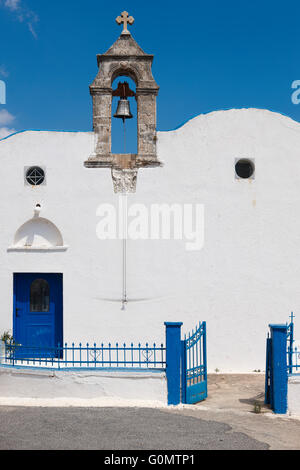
x=208 y=56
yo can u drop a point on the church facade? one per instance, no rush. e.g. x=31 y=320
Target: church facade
x=67 y=277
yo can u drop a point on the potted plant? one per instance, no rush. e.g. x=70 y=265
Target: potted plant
x=6 y=341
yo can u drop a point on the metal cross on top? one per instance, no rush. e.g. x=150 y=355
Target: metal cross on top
x=125 y=19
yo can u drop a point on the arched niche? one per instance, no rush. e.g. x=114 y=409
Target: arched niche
x=38 y=233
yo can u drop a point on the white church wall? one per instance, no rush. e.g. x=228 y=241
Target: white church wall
x=294 y=395
x=246 y=275
x=78 y=388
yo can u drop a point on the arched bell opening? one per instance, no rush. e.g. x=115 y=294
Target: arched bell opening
x=127 y=73
x=124 y=134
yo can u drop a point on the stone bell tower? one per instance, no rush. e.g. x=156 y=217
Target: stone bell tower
x=125 y=57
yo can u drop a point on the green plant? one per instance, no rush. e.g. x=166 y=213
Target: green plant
x=217 y=370
x=7 y=338
x=257 y=407
x=10 y=344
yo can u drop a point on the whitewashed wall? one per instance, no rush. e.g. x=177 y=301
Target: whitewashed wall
x=294 y=395
x=246 y=276
x=78 y=388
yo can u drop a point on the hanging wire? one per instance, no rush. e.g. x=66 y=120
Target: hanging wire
x=124 y=206
x=124 y=294
x=124 y=127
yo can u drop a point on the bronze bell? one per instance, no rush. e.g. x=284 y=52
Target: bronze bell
x=123 y=109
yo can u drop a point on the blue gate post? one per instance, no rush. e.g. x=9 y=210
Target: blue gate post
x=173 y=346
x=279 y=368
x=268 y=375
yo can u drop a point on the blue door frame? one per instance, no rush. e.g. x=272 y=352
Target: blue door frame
x=37 y=331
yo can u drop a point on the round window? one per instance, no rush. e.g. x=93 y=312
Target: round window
x=35 y=176
x=244 y=168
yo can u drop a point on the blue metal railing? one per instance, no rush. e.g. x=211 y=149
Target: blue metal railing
x=87 y=356
x=293 y=354
x=295 y=364
x=196 y=363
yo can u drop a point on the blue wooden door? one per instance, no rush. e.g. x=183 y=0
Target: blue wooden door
x=38 y=314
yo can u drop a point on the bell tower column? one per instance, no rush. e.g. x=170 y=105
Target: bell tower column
x=146 y=107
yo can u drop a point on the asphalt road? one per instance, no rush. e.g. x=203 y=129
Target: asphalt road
x=115 y=429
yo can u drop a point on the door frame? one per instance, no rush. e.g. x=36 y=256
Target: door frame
x=59 y=314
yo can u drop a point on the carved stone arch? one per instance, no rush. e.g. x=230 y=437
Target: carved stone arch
x=127 y=70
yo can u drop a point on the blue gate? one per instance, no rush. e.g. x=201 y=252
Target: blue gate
x=194 y=366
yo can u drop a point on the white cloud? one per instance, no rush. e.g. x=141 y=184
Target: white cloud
x=6 y=118
x=12 y=4
x=32 y=30
x=5 y=131
x=23 y=14
x=3 y=71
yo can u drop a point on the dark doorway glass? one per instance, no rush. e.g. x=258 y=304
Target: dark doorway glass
x=39 y=296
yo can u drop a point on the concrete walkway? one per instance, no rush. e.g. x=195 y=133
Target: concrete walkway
x=231 y=400
x=226 y=420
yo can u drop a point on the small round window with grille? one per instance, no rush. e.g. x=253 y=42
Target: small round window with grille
x=35 y=176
